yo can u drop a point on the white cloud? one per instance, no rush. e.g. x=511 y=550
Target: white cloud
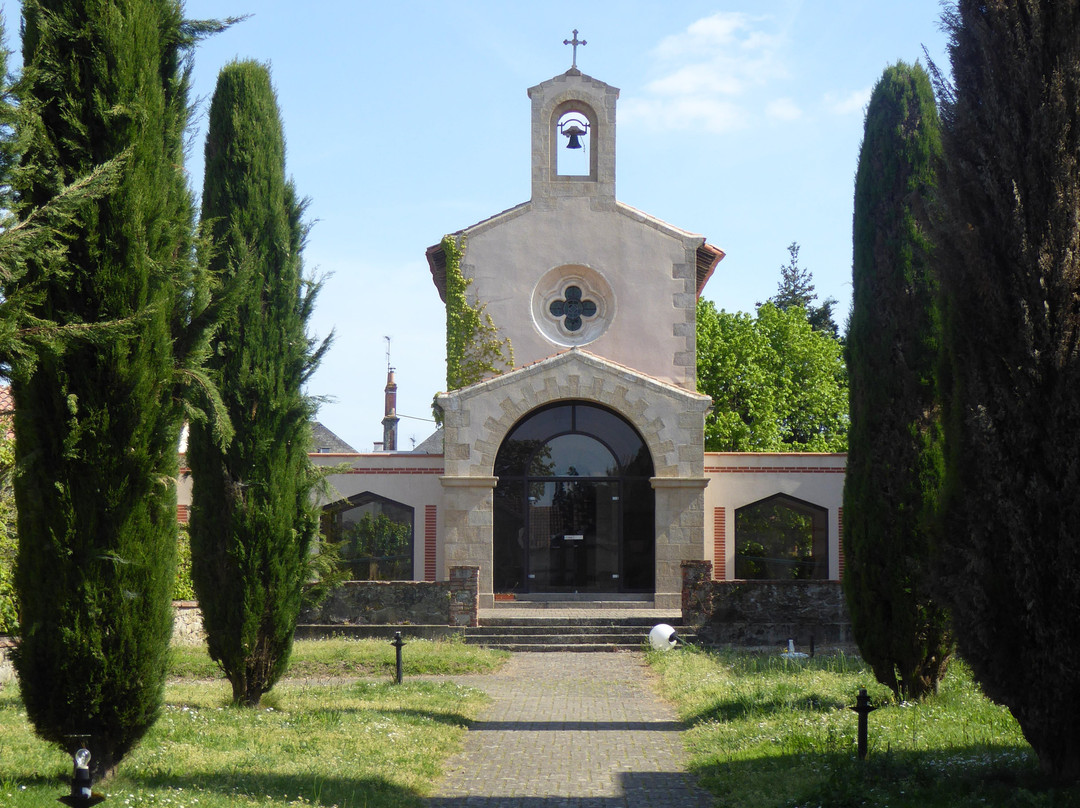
x=725 y=72
x=710 y=114
x=701 y=38
x=694 y=79
x=783 y=109
x=853 y=102
x=713 y=75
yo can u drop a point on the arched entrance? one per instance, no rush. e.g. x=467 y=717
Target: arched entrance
x=574 y=509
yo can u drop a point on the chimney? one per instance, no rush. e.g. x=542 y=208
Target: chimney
x=390 y=419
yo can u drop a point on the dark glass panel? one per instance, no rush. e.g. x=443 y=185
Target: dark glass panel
x=509 y=536
x=374 y=536
x=614 y=431
x=573 y=536
x=639 y=520
x=515 y=456
x=781 y=538
x=542 y=424
x=574 y=456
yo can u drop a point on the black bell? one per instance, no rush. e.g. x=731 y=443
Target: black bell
x=573 y=129
x=574 y=133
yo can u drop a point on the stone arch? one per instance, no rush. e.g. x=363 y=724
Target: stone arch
x=631 y=402
x=669 y=419
x=595 y=131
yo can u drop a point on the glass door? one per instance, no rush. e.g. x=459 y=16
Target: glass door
x=573 y=510
x=573 y=535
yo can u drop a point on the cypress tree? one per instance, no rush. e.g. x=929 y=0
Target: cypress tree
x=894 y=442
x=1009 y=267
x=253 y=516
x=97 y=422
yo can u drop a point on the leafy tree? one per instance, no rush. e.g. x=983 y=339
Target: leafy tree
x=796 y=288
x=776 y=384
x=97 y=421
x=895 y=461
x=1008 y=257
x=253 y=515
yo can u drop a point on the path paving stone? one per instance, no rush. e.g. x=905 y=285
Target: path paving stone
x=571 y=730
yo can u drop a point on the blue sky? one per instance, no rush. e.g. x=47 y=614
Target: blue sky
x=740 y=120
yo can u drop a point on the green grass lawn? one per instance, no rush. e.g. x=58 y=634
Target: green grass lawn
x=355 y=744
x=766 y=733
x=344 y=657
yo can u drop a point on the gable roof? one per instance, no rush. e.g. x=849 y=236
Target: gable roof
x=708 y=255
x=323 y=440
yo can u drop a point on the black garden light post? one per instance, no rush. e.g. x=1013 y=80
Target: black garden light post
x=863 y=708
x=397 y=642
x=81 y=796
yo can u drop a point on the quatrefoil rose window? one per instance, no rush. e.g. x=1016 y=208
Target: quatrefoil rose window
x=572 y=308
x=572 y=305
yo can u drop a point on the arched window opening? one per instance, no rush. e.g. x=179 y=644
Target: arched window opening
x=374 y=537
x=573 y=144
x=782 y=538
x=574 y=509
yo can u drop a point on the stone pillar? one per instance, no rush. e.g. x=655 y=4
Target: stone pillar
x=187 y=623
x=7 y=669
x=680 y=533
x=696 y=586
x=464 y=596
x=468 y=528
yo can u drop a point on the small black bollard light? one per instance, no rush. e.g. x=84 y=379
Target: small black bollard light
x=81 y=795
x=397 y=642
x=863 y=708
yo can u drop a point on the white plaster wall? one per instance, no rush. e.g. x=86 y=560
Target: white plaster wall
x=738 y=479
x=650 y=267
x=410 y=479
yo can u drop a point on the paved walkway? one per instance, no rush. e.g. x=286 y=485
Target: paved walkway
x=571 y=730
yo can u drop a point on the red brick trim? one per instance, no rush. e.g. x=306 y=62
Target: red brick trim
x=719 y=544
x=430 y=536
x=408 y=470
x=840 y=540
x=776 y=470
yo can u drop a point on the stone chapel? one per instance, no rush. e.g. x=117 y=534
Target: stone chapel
x=581 y=472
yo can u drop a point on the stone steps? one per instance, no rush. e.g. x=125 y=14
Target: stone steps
x=562 y=633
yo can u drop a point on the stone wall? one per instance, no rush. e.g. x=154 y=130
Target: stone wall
x=464 y=596
x=187 y=623
x=7 y=670
x=763 y=613
x=438 y=603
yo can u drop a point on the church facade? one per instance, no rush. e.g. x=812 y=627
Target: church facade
x=582 y=470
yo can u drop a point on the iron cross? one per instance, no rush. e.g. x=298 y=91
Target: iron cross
x=575 y=42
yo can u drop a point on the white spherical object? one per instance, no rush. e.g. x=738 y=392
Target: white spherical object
x=662 y=637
